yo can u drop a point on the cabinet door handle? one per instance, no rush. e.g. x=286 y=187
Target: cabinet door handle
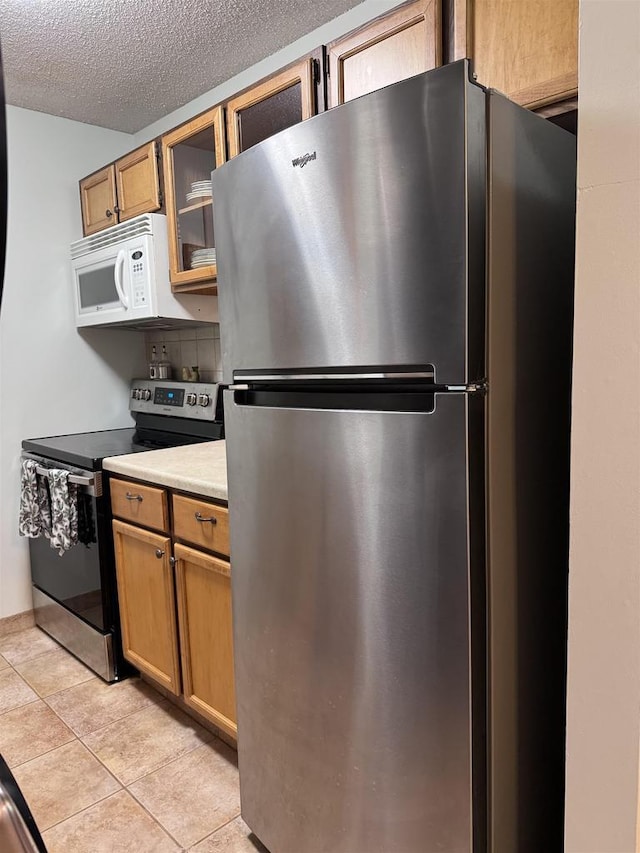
x=108 y=213
x=202 y=519
x=159 y=553
x=131 y=497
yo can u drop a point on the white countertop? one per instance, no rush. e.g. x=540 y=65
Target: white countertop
x=198 y=468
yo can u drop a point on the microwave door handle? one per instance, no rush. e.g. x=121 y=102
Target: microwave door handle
x=117 y=274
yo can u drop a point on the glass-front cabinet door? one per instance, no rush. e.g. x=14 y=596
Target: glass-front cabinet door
x=273 y=104
x=190 y=153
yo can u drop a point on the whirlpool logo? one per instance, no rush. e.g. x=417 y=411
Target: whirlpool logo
x=302 y=161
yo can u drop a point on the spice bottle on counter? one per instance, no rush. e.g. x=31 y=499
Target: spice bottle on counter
x=153 y=364
x=164 y=365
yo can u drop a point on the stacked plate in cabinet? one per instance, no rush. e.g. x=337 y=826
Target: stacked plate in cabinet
x=202 y=258
x=200 y=190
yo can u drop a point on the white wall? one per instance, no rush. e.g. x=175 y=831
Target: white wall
x=53 y=380
x=360 y=14
x=603 y=726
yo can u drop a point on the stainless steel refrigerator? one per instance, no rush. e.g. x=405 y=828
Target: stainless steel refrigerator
x=396 y=291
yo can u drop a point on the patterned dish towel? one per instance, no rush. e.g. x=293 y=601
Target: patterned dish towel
x=31 y=522
x=48 y=507
x=64 y=511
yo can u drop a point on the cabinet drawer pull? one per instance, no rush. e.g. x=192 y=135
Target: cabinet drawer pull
x=202 y=519
x=159 y=553
x=131 y=497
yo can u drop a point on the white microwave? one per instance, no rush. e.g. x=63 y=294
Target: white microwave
x=121 y=277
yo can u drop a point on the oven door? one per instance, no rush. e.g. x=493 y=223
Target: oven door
x=101 y=286
x=74 y=593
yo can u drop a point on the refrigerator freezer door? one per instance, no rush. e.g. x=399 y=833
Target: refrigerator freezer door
x=351 y=618
x=356 y=238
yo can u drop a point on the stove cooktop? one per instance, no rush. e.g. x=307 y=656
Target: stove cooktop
x=86 y=449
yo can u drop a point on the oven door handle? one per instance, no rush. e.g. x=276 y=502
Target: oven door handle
x=117 y=277
x=73 y=478
x=92 y=483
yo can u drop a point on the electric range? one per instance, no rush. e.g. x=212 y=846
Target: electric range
x=75 y=595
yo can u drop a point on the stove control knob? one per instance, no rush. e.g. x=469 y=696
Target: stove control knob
x=191 y=399
x=203 y=399
x=146 y=394
x=133 y=393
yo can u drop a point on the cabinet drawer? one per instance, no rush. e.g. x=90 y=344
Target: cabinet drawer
x=203 y=523
x=145 y=505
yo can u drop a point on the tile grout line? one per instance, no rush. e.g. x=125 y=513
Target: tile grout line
x=159 y=767
x=153 y=817
x=221 y=827
x=86 y=808
x=24 y=705
x=94 y=731
x=46 y=752
x=126 y=716
x=162 y=767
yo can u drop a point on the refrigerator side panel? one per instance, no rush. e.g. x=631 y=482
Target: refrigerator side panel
x=342 y=241
x=351 y=597
x=531 y=221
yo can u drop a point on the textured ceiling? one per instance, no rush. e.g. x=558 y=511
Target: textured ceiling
x=126 y=63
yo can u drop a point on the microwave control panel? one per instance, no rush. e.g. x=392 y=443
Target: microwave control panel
x=138 y=277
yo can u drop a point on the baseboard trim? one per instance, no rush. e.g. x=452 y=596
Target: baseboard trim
x=17 y=622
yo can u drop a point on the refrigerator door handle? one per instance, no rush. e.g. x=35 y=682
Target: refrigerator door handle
x=428 y=375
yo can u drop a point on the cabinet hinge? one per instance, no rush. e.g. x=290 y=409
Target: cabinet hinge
x=158 y=149
x=160 y=197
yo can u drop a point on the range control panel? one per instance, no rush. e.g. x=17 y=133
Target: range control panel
x=195 y=400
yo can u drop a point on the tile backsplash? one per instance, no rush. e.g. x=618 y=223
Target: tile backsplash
x=197 y=346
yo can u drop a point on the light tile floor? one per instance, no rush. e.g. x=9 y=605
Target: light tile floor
x=112 y=767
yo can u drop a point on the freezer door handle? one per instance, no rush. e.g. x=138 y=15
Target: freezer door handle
x=422 y=373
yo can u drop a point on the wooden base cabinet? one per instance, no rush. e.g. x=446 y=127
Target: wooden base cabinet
x=206 y=636
x=147 y=603
x=175 y=599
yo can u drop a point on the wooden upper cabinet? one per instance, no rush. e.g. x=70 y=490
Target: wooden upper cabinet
x=98 y=200
x=189 y=154
x=126 y=188
x=270 y=106
x=528 y=51
x=138 y=182
x=395 y=46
